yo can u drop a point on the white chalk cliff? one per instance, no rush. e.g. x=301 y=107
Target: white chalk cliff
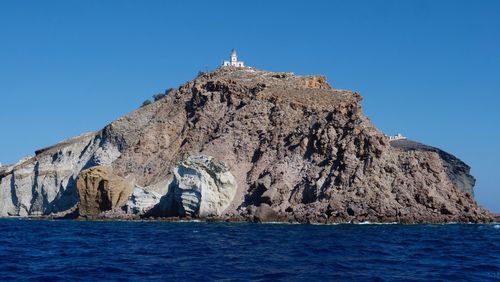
x=202 y=186
x=46 y=183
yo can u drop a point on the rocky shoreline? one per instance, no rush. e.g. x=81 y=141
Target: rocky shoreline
x=240 y=144
x=278 y=219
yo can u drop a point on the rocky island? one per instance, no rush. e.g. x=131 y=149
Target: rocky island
x=246 y=145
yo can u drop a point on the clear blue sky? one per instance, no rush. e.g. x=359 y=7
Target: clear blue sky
x=427 y=69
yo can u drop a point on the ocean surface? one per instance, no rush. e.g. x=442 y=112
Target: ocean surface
x=43 y=250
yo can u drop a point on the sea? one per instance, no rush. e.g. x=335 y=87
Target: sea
x=72 y=250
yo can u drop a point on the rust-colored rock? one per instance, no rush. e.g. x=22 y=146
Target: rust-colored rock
x=316 y=82
x=101 y=190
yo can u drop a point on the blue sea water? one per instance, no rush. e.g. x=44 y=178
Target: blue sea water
x=43 y=250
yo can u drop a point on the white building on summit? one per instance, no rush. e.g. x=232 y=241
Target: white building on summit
x=398 y=136
x=233 y=61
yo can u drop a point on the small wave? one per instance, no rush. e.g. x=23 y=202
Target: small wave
x=375 y=223
x=357 y=223
x=279 y=222
x=365 y=222
x=496 y=226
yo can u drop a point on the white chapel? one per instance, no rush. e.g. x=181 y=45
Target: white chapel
x=233 y=61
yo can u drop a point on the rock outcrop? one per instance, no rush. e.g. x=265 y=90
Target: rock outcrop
x=457 y=171
x=262 y=213
x=45 y=183
x=100 y=189
x=240 y=143
x=141 y=201
x=202 y=187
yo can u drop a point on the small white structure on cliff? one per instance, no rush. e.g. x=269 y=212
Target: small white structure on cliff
x=398 y=136
x=233 y=61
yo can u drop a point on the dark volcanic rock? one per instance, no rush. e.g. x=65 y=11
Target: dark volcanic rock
x=264 y=213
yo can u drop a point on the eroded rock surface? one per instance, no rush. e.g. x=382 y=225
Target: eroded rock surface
x=457 y=170
x=141 y=201
x=202 y=187
x=45 y=183
x=292 y=144
x=100 y=189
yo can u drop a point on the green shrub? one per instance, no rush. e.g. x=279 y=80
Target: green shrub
x=147 y=102
x=168 y=91
x=159 y=96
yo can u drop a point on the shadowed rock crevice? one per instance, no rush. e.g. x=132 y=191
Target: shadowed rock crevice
x=101 y=189
x=66 y=198
x=13 y=194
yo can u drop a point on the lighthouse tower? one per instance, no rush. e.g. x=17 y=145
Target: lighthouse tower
x=233 y=61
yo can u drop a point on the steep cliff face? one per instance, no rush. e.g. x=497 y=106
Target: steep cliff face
x=457 y=171
x=46 y=183
x=202 y=187
x=274 y=145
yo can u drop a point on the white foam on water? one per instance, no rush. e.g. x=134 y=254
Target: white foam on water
x=376 y=223
x=189 y=221
x=277 y=222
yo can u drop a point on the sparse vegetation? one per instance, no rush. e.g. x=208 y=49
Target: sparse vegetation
x=145 y=103
x=159 y=96
x=168 y=91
